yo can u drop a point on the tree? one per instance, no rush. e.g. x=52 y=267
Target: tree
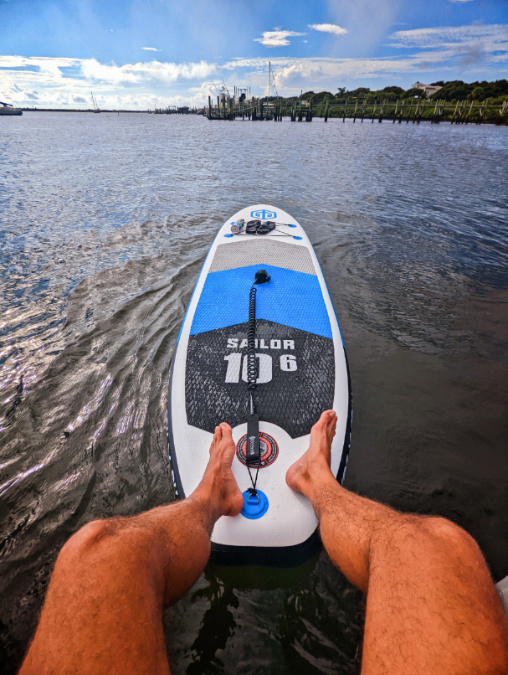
x=415 y=92
x=477 y=94
x=361 y=92
x=455 y=91
x=398 y=91
x=322 y=96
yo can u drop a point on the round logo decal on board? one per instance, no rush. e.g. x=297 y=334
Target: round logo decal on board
x=263 y=214
x=269 y=449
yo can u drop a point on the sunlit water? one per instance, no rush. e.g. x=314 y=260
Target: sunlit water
x=105 y=222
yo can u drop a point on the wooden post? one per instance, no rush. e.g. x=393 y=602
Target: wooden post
x=469 y=113
x=454 y=112
x=209 y=107
x=326 y=109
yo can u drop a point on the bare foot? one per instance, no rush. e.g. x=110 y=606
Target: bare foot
x=218 y=485
x=315 y=462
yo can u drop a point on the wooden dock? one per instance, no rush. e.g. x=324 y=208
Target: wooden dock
x=415 y=111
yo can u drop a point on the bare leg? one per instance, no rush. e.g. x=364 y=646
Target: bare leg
x=431 y=604
x=113 y=578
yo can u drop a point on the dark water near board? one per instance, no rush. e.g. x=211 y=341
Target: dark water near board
x=105 y=222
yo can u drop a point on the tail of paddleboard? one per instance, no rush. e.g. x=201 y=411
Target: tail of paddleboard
x=260 y=348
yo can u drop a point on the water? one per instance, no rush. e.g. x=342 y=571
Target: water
x=105 y=222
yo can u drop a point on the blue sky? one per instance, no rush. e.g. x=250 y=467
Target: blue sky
x=139 y=54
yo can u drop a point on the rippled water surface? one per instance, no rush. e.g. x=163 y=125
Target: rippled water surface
x=105 y=222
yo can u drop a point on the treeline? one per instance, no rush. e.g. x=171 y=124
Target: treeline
x=476 y=91
x=456 y=90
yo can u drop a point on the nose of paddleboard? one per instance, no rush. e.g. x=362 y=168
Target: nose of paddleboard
x=254 y=505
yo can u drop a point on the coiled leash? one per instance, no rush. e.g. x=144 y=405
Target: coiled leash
x=253 y=450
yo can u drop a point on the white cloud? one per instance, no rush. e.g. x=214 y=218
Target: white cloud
x=332 y=28
x=46 y=64
x=277 y=38
x=151 y=49
x=135 y=73
x=51 y=68
x=317 y=70
x=56 y=82
x=461 y=0
x=465 y=45
x=293 y=74
x=493 y=36
x=322 y=66
x=206 y=89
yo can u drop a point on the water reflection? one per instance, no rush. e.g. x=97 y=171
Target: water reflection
x=253 y=620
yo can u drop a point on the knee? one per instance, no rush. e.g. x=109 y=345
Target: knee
x=445 y=530
x=441 y=535
x=87 y=541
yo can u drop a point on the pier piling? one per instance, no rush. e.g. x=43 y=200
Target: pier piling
x=401 y=110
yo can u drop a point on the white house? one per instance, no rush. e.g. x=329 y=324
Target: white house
x=429 y=89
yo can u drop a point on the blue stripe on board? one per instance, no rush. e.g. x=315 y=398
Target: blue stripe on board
x=289 y=298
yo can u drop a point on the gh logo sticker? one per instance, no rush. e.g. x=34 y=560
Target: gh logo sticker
x=263 y=214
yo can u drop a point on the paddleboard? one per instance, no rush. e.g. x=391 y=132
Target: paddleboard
x=269 y=368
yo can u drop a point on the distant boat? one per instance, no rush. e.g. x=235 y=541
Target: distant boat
x=95 y=106
x=7 y=109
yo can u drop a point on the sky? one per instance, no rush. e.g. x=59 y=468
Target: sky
x=146 y=54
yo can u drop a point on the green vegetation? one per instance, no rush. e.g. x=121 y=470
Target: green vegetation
x=476 y=91
x=456 y=101
x=454 y=91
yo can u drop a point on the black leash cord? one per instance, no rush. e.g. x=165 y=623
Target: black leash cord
x=254 y=480
x=252 y=371
x=253 y=450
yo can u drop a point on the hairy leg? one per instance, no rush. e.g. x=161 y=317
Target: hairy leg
x=113 y=578
x=431 y=604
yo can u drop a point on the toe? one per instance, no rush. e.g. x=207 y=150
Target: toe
x=329 y=418
x=217 y=436
x=226 y=430
x=323 y=421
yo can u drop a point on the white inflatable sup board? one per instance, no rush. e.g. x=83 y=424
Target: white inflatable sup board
x=260 y=348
